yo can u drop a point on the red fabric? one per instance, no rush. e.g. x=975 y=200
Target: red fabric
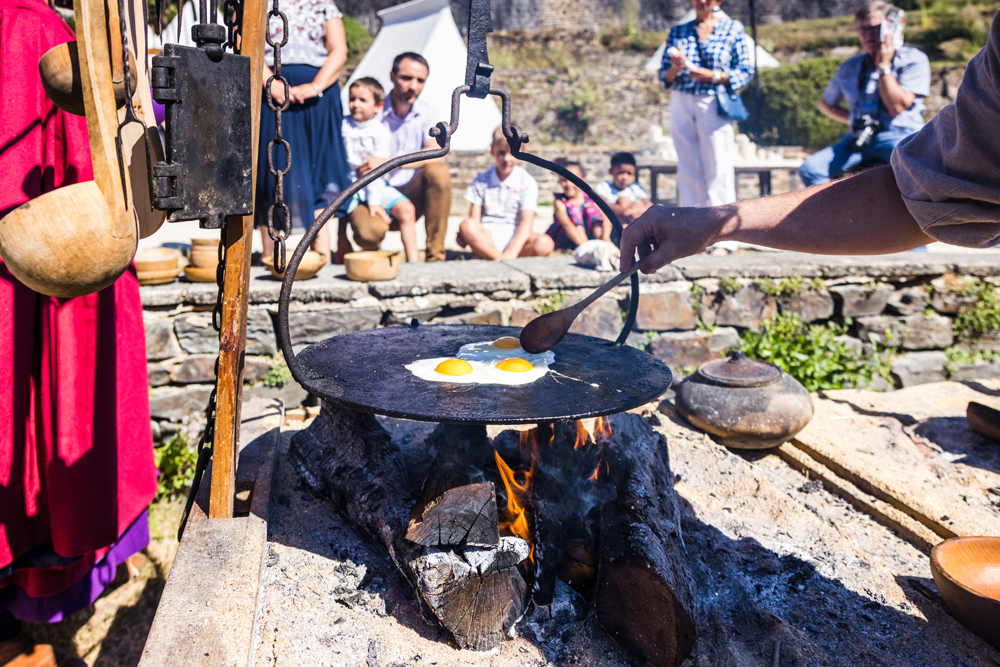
x=76 y=457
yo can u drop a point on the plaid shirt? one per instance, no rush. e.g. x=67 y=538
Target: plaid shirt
x=725 y=50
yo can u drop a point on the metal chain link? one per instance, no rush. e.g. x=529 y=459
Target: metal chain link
x=281 y=235
x=232 y=15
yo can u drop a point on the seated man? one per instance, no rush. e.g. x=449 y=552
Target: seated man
x=504 y=201
x=625 y=197
x=426 y=183
x=884 y=88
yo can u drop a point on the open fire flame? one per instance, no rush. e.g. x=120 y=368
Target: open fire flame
x=519 y=483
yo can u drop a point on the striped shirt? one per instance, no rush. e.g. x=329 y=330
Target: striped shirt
x=725 y=50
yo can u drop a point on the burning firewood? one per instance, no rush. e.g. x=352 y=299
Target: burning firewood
x=645 y=592
x=477 y=593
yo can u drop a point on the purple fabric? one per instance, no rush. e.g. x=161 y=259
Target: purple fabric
x=54 y=608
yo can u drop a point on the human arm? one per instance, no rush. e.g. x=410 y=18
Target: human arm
x=837 y=113
x=513 y=249
x=671 y=65
x=899 y=91
x=575 y=233
x=336 y=46
x=861 y=215
x=372 y=161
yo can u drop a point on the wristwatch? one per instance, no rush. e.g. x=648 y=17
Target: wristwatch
x=885 y=70
x=716 y=76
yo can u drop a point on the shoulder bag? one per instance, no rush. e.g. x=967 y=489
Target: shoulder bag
x=731 y=105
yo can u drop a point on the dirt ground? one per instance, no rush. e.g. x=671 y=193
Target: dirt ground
x=112 y=631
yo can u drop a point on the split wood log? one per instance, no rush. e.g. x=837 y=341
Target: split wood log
x=645 y=593
x=477 y=593
x=457 y=504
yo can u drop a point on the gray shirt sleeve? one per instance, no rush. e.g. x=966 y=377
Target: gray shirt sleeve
x=915 y=75
x=949 y=172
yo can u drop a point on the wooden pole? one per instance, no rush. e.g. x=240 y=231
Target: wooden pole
x=232 y=338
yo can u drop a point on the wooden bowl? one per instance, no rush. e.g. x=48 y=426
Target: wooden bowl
x=158 y=277
x=200 y=274
x=205 y=253
x=371 y=265
x=310 y=265
x=148 y=260
x=967 y=573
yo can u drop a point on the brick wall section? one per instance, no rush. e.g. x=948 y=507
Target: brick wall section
x=684 y=316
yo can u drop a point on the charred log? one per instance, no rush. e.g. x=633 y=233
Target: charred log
x=645 y=592
x=477 y=593
x=457 y=504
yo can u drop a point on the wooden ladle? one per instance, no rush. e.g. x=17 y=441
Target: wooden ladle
x=544 y=333
x=80 y=238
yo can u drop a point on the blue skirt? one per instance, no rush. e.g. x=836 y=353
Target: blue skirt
x=319 y=160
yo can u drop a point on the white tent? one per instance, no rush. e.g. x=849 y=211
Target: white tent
x=764 y=59
x=427 y=27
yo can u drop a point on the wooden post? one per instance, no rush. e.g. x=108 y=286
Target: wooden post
x=235 y=293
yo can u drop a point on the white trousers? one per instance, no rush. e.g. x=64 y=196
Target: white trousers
x=705 y=144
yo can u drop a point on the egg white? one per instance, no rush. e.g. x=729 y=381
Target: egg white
x=483 y=358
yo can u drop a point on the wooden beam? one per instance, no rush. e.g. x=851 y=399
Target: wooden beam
x=232 y=339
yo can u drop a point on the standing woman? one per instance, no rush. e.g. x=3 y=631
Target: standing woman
x=707 y=53
x=310 y=62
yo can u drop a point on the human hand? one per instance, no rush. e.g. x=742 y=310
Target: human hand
x=303 y=92
x=702 y=74
x=663 y=234
x=370 y=163
x=380 y=212
x=678 y=61
x=885 y=52
x=278 y=93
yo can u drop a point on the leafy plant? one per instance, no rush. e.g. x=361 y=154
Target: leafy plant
x=983 y=317
x=552 y=303
x=729 y=285
x=177 y=458
x=790 y=286
x=278 y=374
x=574 y=115
x=358 y=39
x=812 y=354
x=957 y=356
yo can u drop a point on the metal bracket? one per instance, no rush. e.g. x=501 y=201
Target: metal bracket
x=478 y=68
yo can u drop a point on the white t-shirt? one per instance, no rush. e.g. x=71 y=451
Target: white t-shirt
x=503 y=201
x=370 y=138
x=408 y=134
x=611 y=194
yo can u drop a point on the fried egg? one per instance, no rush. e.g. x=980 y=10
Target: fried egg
x=502 y=361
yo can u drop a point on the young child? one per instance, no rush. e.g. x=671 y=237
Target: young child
x=577 y=217
x=504 y=201
x=626 y=197
x=365 y=135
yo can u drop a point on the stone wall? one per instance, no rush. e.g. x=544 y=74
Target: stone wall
x=689 y=313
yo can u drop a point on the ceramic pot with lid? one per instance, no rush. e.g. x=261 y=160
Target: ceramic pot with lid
x=744 y=403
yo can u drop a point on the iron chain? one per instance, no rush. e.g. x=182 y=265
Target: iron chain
x=279 y=204
x=232 y=15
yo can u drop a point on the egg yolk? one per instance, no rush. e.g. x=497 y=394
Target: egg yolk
x=515 y=365
x=454 y=367
x=507 y=343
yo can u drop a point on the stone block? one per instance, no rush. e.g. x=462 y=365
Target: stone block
x=159 y=373
x=746 y=308
x=394 y=318
x=951 y=303
x=980 y=370
x=175 y=403
x=918 y=368
x=493 y=317
x=908 y=301
x=291 y=394
x=810 y=305
x=195 y=369
x=255 y=368
x=926 y=333
x=560 y=272
x=860 y=301
x=887 y=328
x=521 y=316
x=160 y=341
x=987 y=341
x=313 y=326
x=693 y=348
x=602 y=319
x=196 y=335
x=465 y=277
x=665 y=311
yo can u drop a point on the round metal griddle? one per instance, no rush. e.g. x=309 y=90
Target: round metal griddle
x=365 y=371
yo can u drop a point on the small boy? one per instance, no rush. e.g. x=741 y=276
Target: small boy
x=577 y=217
x=365 y=135
x=626 y=197
x=504 y=201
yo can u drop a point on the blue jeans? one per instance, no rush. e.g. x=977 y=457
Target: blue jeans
x=834 y=160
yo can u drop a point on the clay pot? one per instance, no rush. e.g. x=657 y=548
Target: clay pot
x=205 y=253
x=967 y=575
x=744 y=403
x=310 y=265
x=372 y=265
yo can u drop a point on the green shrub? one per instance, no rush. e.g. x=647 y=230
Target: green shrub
x=982 y=318
x=788 y=97
x=811 y=353
x=176 y=460
x=962 y=355
x=358 y=39
x=278 y=374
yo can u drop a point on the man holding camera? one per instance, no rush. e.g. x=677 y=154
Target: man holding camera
x=884 y=88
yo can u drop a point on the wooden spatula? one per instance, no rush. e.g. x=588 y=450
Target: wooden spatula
x=543 y=333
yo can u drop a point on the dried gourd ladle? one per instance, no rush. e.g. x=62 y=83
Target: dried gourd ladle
x=544 y=333
x=80 y=238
